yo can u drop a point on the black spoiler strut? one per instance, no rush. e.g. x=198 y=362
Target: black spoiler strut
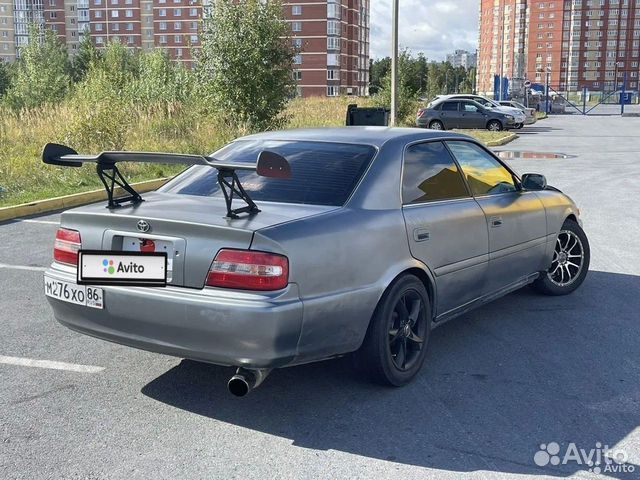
x=268 y=164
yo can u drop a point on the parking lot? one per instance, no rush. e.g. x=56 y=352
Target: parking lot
x=523 y=371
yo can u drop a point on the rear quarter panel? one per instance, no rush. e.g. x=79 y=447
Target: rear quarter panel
x=342 y=262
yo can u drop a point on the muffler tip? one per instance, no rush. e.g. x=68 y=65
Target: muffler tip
x=238 y=386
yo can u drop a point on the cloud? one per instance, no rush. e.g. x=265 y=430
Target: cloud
x=432 y=27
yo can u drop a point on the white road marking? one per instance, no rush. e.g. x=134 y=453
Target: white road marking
x=44 y=222
x=22 y=267
x=29 y=362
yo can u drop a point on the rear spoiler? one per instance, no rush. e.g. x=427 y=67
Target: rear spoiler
x=268 y=164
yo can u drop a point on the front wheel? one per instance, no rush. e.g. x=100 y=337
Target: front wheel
x=395 y=345
x=570 y=262
x=494 y=126
x=518 y=126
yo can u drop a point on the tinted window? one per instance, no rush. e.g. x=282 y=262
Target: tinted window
x=322 y=173
x=430 y=174
x=450 y=106
x=484 y=173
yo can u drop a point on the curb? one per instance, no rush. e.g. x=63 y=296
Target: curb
x=502 y=141
x=68 y=201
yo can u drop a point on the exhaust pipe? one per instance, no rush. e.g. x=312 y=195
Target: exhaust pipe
x=246 y=380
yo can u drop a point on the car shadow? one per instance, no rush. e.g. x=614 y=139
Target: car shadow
x=523 y=371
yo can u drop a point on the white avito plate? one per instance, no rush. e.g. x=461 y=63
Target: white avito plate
x=113 y=268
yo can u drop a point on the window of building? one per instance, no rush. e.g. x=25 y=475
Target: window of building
x=98 y=27
x=333 y=27
x=178 y=52
x=128 y=13
x=194 y=39
x=297 y=59
x=177 y=12
x=114 y=13
x=162 y=12
x=296 y=10
x=130 y=27
x=333 y=43
x=430 y=174
x=114 y=2
x=163 y=26
x=98 y=13
x=115 y=27
x=193 y=12
x=296 y=26
x=177 y=38
x=163 y=39
x=333 y=91
x=333 y=74
x=297 y=75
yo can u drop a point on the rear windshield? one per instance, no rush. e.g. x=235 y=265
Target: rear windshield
x=322 y=173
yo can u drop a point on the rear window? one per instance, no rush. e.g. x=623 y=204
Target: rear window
x=322 y=173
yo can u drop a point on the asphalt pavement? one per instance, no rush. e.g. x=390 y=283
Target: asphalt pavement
x=501 y=385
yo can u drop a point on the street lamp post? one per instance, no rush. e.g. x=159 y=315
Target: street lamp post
x=394 y=63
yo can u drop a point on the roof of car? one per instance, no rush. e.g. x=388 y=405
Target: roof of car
x=376 y=136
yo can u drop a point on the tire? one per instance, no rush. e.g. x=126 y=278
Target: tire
x=380 y=358
x=494 y=126
x=518 y=126
x=436 y=125
x=571 y=247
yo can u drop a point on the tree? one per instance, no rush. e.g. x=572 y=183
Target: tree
x=378 y=70
x=407 y=89
x=42 y=73
x=5 y=79
x=244 y=69
x=87 y=56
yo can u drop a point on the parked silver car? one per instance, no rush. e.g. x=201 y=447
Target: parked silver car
x=295 y=246
x=530 y=113
x=453 y=113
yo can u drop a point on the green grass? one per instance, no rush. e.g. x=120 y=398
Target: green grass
x=24 y=178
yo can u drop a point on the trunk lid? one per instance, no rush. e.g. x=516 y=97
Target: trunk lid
x=191 y=229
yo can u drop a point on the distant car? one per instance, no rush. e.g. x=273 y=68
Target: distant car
x=486 y=103
x=530 y=113
x=288 y=247
x=449 y=114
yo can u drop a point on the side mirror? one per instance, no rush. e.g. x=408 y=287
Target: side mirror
x=533 y=181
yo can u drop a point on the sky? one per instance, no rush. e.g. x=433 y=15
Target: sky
x=434 y=27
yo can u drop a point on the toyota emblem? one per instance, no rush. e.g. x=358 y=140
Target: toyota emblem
x=143 y=226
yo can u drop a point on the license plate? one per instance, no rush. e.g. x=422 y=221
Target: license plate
x=98 y=267
x=72 y=293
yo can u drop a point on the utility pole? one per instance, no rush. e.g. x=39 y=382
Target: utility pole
x=394 y=63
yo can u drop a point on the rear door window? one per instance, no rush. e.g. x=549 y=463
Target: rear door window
x=322 y=173
x=450 y=107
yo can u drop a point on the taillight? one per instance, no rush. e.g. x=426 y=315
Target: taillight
x=66 y=246
x=421 y=113
x=247 y=270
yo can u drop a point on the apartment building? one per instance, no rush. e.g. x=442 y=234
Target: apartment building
x=576 y=43
x=462 y=58
x=331 y=36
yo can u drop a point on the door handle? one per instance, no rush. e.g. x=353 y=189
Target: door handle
x=420 y=234
x=496 y=221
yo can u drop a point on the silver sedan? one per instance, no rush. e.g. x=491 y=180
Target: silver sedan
x=296 y=246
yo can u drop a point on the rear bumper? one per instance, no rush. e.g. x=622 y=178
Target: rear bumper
x=222 y=327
